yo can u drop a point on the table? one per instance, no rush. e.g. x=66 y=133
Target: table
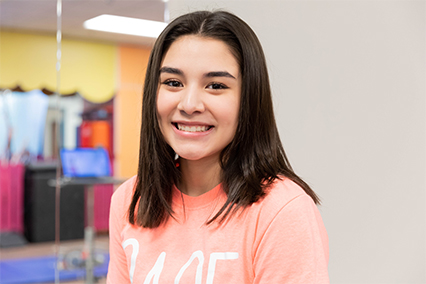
x=89 y=231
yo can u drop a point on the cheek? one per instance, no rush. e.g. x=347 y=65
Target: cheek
x=230 y=112
x=161 y=114
x=165 y=109
x=162 y=108
x=162 y=117
x=229 y=118
x=236 y=116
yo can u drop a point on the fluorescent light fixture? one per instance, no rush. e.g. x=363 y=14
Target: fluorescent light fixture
x=125 y=25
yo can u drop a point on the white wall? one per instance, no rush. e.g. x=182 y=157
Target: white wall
x=348 y=79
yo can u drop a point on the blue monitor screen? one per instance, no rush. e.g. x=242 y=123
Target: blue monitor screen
x=85 y=162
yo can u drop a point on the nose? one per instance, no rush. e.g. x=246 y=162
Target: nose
x=191 y=101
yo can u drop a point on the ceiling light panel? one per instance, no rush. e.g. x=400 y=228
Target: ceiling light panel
x=125 y=25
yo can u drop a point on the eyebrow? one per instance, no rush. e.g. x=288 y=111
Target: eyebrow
x=171 y=70
x=177 y=71
x=219 y=74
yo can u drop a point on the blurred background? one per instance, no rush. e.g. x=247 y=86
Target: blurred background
x=349 y=86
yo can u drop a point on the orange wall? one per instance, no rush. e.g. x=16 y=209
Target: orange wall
x=127 y=108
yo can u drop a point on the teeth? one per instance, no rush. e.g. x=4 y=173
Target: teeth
x=192 y=128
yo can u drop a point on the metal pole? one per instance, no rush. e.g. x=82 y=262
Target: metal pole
x=89 y=235
x=166 y=11
x=58 y=137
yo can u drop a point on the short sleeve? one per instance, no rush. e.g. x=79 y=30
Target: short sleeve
x=117 y=270
x=294 y=247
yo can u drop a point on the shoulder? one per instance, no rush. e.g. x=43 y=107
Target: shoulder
x=285 y=203
x=123 y=195
x=290 y=238
x=285 y=188
x=287 y=210
x=281 y=194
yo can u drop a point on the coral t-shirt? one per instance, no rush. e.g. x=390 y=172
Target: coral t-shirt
x=279 y=239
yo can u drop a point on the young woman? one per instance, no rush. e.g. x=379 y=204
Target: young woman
x=215 y=199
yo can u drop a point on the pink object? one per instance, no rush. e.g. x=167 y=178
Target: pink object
x=102 y=200
x=11 y=198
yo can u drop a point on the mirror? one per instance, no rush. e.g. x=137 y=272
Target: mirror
x=100 y=87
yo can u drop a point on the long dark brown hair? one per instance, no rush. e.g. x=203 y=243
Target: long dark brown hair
x=254 y=158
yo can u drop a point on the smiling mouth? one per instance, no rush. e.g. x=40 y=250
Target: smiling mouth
x=192 y=128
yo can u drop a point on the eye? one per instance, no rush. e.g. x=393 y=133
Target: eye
x=172 y=83
x=216 y=86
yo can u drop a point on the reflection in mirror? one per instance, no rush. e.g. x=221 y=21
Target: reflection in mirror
x=95 y=78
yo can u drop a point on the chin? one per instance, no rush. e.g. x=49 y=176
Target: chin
x=194 y=156
x=191 y=156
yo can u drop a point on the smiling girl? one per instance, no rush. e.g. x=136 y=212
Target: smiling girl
x=215 y=199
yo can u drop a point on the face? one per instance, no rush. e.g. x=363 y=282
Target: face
x=198 y=97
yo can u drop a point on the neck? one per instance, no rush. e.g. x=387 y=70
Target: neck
x=198 y=177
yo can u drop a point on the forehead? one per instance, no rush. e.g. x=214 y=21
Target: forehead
x=193 y=51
